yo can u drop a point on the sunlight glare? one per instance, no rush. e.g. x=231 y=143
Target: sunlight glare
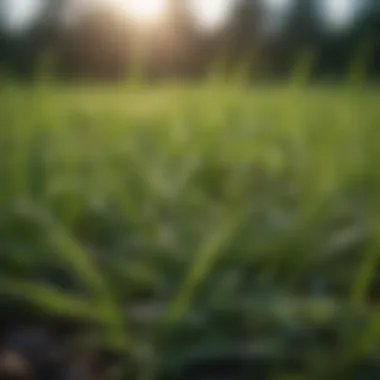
x=144 y=10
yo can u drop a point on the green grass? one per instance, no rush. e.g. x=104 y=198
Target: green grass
x=257 y=210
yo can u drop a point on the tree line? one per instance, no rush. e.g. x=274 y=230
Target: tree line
x=103 y=44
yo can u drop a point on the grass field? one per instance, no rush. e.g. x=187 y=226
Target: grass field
x=216 y=218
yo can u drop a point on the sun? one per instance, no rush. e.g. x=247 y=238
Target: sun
x=145 y=10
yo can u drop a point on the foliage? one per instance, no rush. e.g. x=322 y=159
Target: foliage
x=210 y=218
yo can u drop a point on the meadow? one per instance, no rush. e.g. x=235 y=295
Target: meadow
x=198 y=220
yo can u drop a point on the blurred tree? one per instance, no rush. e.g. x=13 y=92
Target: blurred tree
x=242 y=39
x=179 y=41
x=244 y=31
x=303 y=34
x=353 y=49
x=20 y=53
x=304 y=26
x=365 y=38
x=96 y=46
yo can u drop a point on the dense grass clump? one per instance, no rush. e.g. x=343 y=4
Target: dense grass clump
x=197 y=220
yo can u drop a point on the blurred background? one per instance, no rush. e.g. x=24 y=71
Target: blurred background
x=189 y=189
x=171 y=38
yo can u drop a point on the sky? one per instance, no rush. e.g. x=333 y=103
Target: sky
x=340 y=12
x=19 y=13
x=337 y=13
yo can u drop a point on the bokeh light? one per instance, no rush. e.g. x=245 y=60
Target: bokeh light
x=211 y=13
x=144 y=10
